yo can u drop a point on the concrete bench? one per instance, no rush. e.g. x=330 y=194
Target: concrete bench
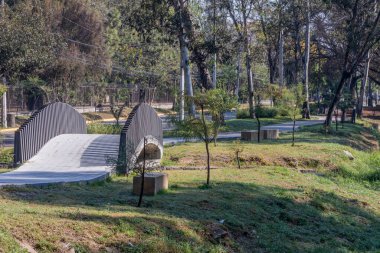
x=153 y=183
x=267 y=134
x=271 y=134
x=251 y=135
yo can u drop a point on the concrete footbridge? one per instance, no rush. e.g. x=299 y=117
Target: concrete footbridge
x=53 y=146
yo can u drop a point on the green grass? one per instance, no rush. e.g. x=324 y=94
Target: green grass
x=270 y=206
x=314 y=151
x=98 y=128
x=267 y=209
x=236 y=125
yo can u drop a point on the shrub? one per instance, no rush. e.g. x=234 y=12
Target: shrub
x=6 y=156
x=263 y=112
x=242 y=114
x=104 y=129
x=283 y=112
x=314 y=110
x=267 y=112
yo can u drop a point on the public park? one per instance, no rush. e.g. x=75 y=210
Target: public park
x=189 y=126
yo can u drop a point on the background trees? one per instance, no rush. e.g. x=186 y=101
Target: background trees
x=178 y=47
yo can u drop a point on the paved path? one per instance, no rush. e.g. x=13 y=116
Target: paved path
x=283 y=127
x=67 y=158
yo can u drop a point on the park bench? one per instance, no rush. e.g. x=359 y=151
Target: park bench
x=267 y=134
x=153 y=183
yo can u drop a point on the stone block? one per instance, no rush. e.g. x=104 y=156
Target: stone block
x=153 y=183
x=251 y=135
x=11 y=120
x=271 y=134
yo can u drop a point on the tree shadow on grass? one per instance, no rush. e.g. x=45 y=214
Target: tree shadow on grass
x=258 y=218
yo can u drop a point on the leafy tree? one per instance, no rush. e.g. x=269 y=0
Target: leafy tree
x=357 y=30
x=119 y=102
x=26 y=48
x=217 y=102
x=291 y=101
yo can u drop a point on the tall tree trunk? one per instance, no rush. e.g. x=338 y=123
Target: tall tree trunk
x=359 y=108
x=345 y=76
x=250 y=84
x=185 y=62
x=215 y=56
x=182 y=94
x=238 y=71
x=4 y=109
x=248 y=63
x=370 y=97
x=214 y=73
x=281 y=58
x=353 y=81
x=306 y=67
x=272 y=65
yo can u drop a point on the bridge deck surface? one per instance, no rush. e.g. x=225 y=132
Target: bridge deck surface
x=67 y=158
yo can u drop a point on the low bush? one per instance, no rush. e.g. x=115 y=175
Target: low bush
x=263 y=112
x=6 y=156
x=97 y=128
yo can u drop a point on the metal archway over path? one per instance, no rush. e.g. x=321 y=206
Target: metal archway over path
x=53 y=146
x=143 y=122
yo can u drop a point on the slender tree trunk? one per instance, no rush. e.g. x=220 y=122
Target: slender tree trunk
x=258 y=129
x=248 y=65
x=4 y=111
x=208 y=163
x=272 y=65
x=142 y=176
x=185 y=61
x=214 y=73
x=215 y=56
x=188 y=83
x=306 y=67
x=359 y=109
x=353 y=81
x=345 y=76
x=250 y=85
x=294 y=129
x=238 y=71
x=182 y=95
x=281 y=59
x=207 y=142
x=370 y=97
x=238 y=159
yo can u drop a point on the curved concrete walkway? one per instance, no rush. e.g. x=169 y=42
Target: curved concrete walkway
x=67 y=158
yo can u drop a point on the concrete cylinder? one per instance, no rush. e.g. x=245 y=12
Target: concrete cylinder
x=11 y=120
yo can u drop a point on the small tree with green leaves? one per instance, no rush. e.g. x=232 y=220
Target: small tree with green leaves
x=117 y=108
x=216 y=102
x=238 y=148
x=291 y=101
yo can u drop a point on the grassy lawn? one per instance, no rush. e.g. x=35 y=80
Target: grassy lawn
x=271 y=205
x=236 y=125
